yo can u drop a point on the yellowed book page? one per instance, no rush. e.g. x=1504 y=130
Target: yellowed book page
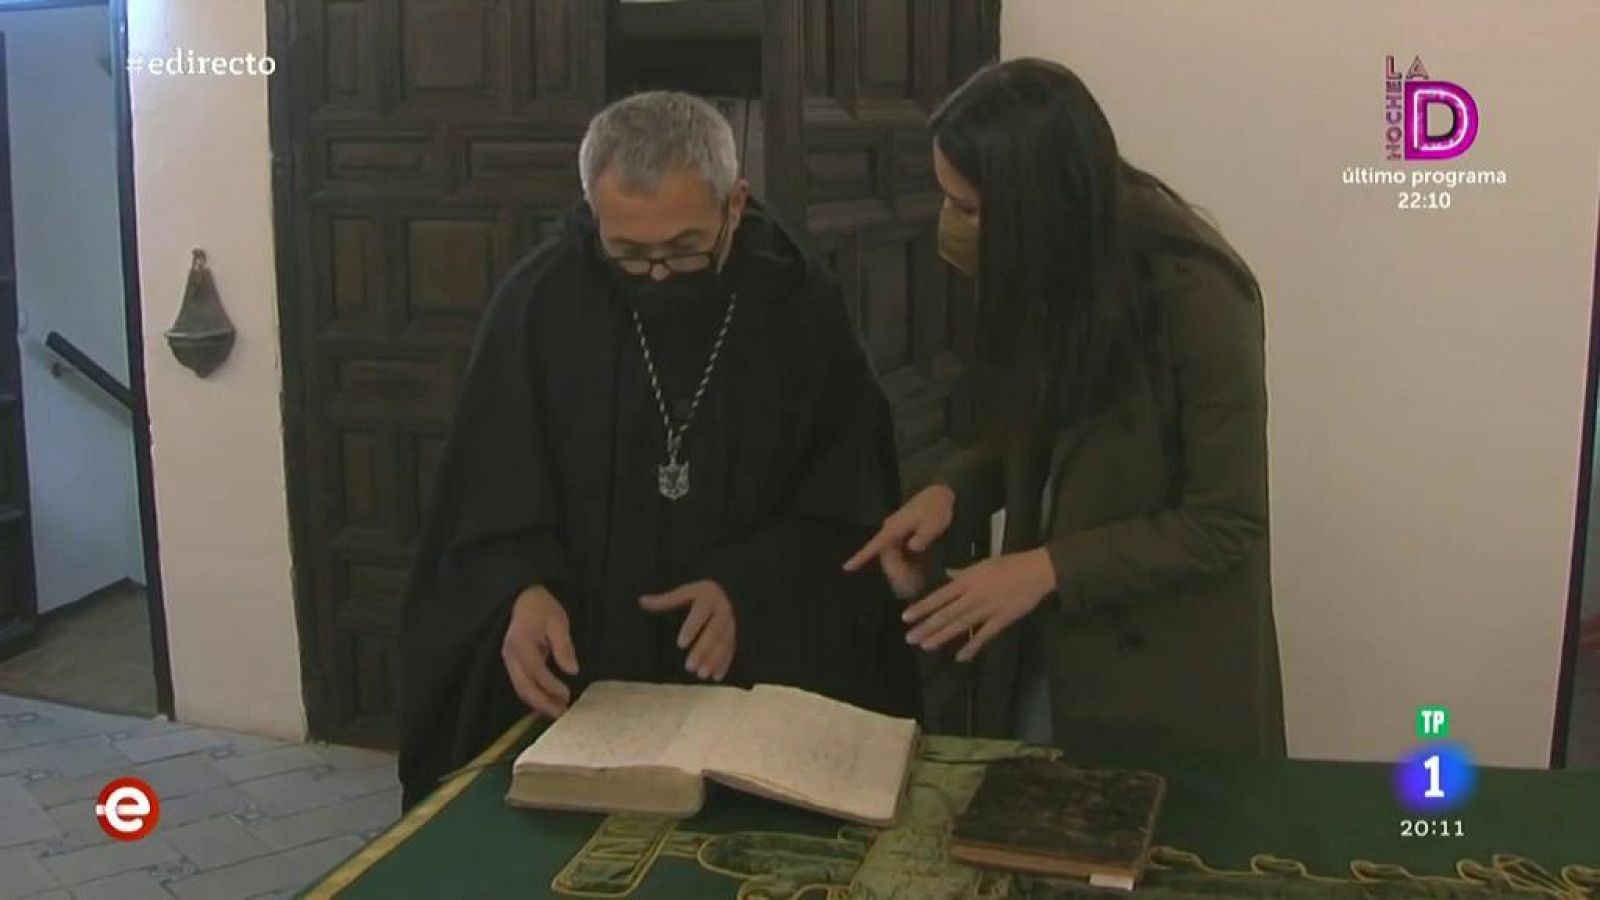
x=818 y=752
x=618 y=724
x=716 y=714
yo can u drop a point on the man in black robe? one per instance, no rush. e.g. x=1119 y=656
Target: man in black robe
x=668 y=440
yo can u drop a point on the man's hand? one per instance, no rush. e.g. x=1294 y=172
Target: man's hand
x=539 y=631
x=708 y=633
x=902 y=543
x=988 y=597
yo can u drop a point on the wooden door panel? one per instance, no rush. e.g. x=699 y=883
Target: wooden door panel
x=346 y=77
x=451 y=163
x=854 y=125
x=518 y=165
x=378 y=162
x=871 y=72
x=446 y=60
x=421 y=146
x=453 y=53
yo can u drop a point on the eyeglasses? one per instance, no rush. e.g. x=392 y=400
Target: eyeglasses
x=676 y=264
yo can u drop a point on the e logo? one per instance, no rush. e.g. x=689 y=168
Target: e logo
x=127 y=809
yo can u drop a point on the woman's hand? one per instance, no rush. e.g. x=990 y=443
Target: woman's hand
x=987 y=596
x=902 y=543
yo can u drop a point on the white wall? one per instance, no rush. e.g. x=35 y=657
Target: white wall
x=1426 y=368
x=202 y=173
x=85 y=502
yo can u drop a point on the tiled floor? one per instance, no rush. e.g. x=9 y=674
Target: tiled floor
x=241 y=817
x=114 y=631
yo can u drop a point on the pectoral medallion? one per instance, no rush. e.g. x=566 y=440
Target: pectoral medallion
x=672 y=476
x=672 y=479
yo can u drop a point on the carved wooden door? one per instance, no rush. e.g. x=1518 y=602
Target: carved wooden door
x=852 y=129
x=420 y=147
x=848 y=131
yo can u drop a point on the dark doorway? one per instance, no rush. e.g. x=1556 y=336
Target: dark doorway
x=18 y=606
x=86 y=602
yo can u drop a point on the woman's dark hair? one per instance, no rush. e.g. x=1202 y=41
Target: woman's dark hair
x=1060 y=317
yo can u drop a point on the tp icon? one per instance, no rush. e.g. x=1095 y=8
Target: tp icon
x=1433 y=722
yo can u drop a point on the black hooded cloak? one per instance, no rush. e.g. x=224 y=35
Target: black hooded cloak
x=549 y=477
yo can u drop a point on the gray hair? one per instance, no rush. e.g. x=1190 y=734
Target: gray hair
x=646 y=136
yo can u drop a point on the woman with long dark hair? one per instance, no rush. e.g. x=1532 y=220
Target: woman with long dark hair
x=1121 y=367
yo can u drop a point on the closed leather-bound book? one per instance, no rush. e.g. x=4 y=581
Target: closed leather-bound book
x=1048 y=818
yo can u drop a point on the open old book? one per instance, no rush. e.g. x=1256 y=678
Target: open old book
x=649 y=748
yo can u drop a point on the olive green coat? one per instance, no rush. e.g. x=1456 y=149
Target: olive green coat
x=1161 y=630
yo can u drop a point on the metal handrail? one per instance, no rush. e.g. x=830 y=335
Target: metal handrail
x=90 y=369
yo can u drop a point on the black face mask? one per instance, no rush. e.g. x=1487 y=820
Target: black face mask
x=678 y=288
